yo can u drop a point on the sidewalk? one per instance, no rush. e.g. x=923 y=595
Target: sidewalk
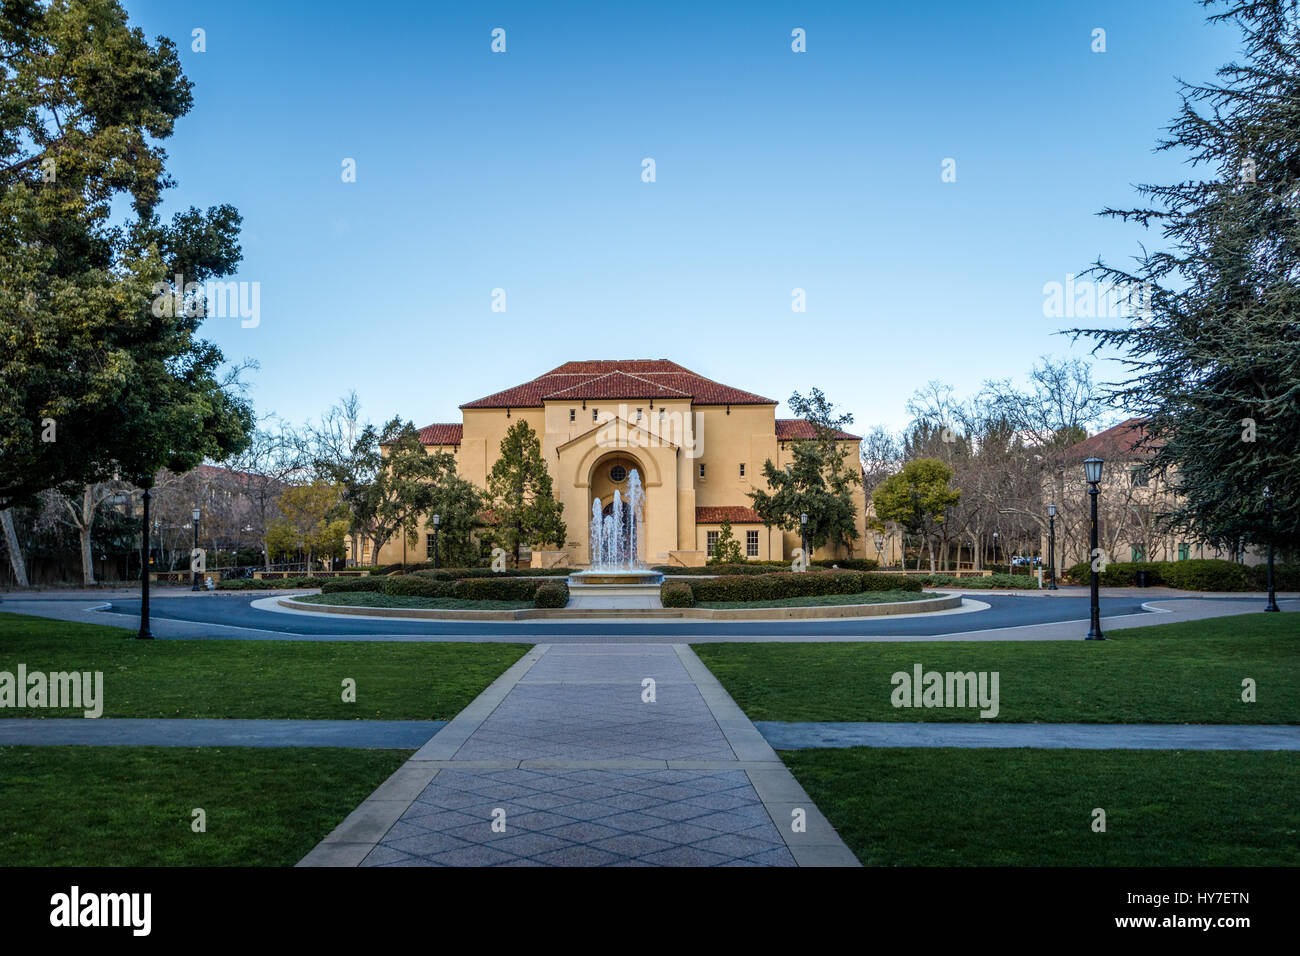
x=578 y=768
x=204 y=732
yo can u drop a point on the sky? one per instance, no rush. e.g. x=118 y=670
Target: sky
x=774 y=170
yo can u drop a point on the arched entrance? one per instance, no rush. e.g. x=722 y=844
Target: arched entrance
x=610 y=473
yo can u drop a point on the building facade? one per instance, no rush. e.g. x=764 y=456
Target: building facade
x=697 y=445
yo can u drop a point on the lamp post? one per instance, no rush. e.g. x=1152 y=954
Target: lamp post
x=803 y=536
x=995 y=547
x=1051 y=547
x=1092 y=473
x=193 y=570
x=437 y=519
x=880 y=550
x=145 y=634
x=1268 y=510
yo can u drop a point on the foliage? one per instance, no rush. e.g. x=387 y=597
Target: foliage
x=676 y=594
x=520 y=495
x=785 y=584
x=726 y=550
x=918 y=497
x=552 y=594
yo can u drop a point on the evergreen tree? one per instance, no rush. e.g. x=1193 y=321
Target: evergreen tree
x=1215 y=359
x=522 y=500
x=726 y=550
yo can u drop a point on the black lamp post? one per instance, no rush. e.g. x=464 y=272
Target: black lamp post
x=437 y=519
x=1051 y=547
x=1268 y=510
x=803 y=537
x=1092 y=473
x=196 y=514
x=995 y=547
x=145 y=634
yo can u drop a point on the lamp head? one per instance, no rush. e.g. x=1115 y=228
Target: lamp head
x=803 y=518
x=1051 y=511
x=436 y=520
x=1092 y=470
x=197 y=514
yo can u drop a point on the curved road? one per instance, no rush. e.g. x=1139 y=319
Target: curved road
x=235 y=617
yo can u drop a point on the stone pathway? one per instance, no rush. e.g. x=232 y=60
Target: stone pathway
x=167 y=732
x=802 y=736
x=578 y=769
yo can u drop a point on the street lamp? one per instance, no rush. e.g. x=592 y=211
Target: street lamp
x=995 y=547
x=803 y=537
x=1268 y=510
x=437 y=519
x=1051 y=547
x=1092 y=474
x=145 y=634
x=193 y=569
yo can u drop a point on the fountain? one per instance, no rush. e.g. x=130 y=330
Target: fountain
x=616 y=550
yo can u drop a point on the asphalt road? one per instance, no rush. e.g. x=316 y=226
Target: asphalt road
x=235 y=611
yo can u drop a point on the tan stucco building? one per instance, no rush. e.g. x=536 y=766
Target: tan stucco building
x=698 y=445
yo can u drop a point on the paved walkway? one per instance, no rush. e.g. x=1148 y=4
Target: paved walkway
x=166 y=732
x=802 y=736
x=578 y=768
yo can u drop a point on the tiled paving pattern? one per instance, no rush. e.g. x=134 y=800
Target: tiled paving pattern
x=585 y=818
x=584 y=703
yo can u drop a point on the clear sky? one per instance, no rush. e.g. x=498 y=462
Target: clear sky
x=775 y=170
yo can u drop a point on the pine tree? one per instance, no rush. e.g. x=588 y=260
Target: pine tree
x=726 y=550
x=519 y=487
x=1215 y=359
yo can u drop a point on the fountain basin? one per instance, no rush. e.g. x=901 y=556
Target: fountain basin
x=633 y=577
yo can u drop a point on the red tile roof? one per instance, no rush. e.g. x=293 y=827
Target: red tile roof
x=446 y=434
x=1119 y=443
x=736 y=514
x=793 y=429
x=605 y=380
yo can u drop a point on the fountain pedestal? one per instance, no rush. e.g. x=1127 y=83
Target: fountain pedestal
x=615 y=589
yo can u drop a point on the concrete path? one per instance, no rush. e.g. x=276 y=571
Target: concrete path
x=576 y=766
x=167 y=732
x=803 y=736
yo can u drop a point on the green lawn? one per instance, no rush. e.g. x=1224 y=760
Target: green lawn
x=273 y=679
x=131 y=806
x=823 y=600
x=1169 y=673
x=376 y=599
x=957 y=807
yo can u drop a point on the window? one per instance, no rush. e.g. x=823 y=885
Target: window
x=595 y=414
x=573 y=414
x=1139 y=553
x=701 y=469
x=711 y=542
x=1184 y=551
x=742 y=469
x=638 y=414
x=1139 y=478
x=751 y=543
x=617 y=473
x=428 y=546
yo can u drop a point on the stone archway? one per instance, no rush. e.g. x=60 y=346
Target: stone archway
x=610 y=473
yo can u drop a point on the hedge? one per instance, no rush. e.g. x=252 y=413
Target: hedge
x=787 y=584
x=847 y=564
x=992 y=581
x=274 y=584
x=410 y=585
x=552 y=594
x=749 y=567
x=1198 y=574
x=372 y=583
x=676 y=594
x=459 y=574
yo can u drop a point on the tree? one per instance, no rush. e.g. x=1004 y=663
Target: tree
x=458 y=505
x=93 y=382
x=311 y=513
x=519 y=491
x=1214 y=361
x=918 y=498
x=818 y=482
x=726 y=550
x=403 y=489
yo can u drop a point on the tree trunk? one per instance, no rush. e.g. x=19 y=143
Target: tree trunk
x=16 y=559
x=87 y=520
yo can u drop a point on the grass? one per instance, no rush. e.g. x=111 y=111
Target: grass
x=376 y=599
x=268 y=679
x=957 y=807
x=825 y=600
x=1171 y=673
x=131 y=806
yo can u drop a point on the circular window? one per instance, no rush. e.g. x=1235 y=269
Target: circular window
x=617 y=473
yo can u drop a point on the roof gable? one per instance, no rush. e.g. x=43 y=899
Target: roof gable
x=610 y=379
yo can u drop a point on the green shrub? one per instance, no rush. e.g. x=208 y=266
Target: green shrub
x=1207 y=574
x=676 y=594
x=494 y=589
x=847 y=564
x=991 y=582
x=409 y=585
x=749 y=567
x=784 y=584
x=336 y=585
x=551 y=594
x=1286 y=577
x=891 y=582
x=271 y=584
x=458 y=574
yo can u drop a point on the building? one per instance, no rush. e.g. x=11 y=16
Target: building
x=1130 y=506
x=698 y=446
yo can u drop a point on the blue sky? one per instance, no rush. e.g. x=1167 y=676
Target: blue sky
x=774 y=170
